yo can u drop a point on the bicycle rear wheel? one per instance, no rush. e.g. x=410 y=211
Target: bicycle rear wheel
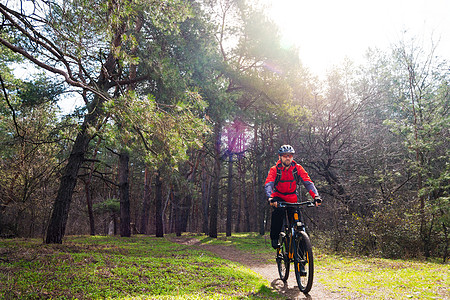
x=283 y=262
x=303 y=261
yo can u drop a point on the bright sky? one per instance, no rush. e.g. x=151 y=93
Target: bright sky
x=327 y=31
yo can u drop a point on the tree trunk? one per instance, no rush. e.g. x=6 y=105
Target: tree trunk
x=158 y=206
x=185 y=212
x=214 y=201
x=247 y=210
x=146 y=202
x=259 y=193
x=114 y=219
x=243 y=217
x=206 y=184
x=216 y=182
x=124 y=194
x=445 y=251
x=237 y=225
x=57 y=225
x=87 y=189
x=260 y=199
x=177 y=213
x=230 y=195
x=58 y=221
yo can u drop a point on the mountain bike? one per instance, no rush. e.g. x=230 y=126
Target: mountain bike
x=295 y=247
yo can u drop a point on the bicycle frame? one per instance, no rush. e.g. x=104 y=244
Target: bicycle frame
x=296 y=222
x=295 y=247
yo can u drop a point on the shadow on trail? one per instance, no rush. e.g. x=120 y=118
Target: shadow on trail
x=290 y=292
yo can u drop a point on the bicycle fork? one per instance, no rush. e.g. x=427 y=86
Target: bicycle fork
x=297 y=260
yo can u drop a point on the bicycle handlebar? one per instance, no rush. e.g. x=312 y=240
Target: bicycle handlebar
x=297 y=204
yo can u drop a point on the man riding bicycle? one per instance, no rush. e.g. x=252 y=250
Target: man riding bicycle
x=281 y=185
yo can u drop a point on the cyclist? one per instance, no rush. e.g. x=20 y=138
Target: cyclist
x=281 y=185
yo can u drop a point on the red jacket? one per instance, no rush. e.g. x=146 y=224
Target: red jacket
x=287 y=187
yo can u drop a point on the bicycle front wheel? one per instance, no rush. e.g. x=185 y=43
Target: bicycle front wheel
x=283 y=262
x=303 y=262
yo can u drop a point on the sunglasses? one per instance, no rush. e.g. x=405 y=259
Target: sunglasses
x=287 y=155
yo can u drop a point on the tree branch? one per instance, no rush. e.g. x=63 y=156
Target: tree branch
x=10 y=106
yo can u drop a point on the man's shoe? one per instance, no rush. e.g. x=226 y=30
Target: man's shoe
x=275 y=244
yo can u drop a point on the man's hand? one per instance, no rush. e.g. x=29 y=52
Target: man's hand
x=317 y=200
x=274 y=204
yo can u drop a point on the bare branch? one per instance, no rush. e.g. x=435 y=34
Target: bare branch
x=10 y=106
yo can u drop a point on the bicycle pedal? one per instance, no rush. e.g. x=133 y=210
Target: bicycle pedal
x=301 y=269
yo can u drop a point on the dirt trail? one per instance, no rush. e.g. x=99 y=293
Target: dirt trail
x=268 y=271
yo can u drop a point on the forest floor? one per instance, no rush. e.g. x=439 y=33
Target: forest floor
x=335 y=276
x=261 y=264
x=195 y=266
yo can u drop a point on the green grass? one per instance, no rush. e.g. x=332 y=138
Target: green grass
x=376 y=278
x=153 y=268
x=250 y=242
x=121 y=268
x=363 y=277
